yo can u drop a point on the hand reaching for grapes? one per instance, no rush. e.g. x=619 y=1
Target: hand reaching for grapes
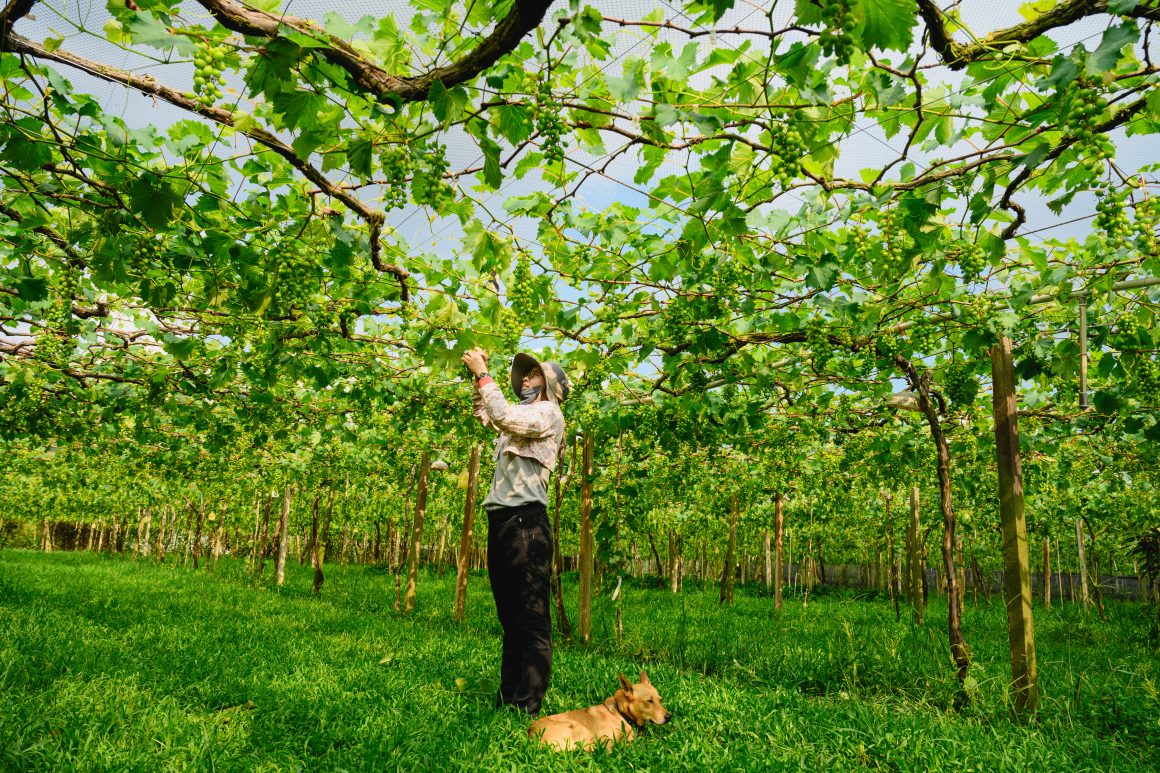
x=475 y=360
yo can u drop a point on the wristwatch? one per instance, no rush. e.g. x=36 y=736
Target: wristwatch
x=481 y=376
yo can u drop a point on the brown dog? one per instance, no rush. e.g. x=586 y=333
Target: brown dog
x=631 y=706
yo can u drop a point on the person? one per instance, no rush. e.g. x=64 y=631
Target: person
x=519 y=537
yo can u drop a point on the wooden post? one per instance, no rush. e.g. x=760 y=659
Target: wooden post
x=466 y=535
x=778 y=536
x=767 y=561
x=587 y=543
x=1083 y=572
x=675 y=562
x=283 y=540
x=417 y=533
x=914 y=535
x=1016 y=562
x=1047 y=572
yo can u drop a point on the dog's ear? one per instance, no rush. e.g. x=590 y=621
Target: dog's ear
x=644 y=677
x=625 y=684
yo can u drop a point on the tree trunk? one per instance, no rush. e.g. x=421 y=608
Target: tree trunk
x=913 y=535
x=417 y=533
x=1083 y=572
x=467 y=535
x=726 y=594
x=778 y=535
x=283 y=539
x=318 y=541
x=587 y=543
x=674 y=562
x=1097 y=575
x=960 y=652
x=660 y=569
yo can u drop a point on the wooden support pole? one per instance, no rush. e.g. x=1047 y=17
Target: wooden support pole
x=417 y=534
x=1016 y=562
x=587 y=542
x=467 y=535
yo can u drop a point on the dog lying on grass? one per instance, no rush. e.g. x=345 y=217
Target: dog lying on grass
x=630 y=707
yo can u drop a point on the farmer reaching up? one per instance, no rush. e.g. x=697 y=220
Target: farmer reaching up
x=519 y=537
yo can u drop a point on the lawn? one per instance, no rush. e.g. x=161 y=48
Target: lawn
x=113 y=664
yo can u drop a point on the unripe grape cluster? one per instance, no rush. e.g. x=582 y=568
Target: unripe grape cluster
x=835 y=38
x=960 y=385
x=970 y=256
x=889 y=346
x=895 y=245
x=427 y=186
x=548 y=123
x=787 y=149
x=1083 y=107
x=859 y=238
x=1147 y=219
x=510 y=328
x=522 y=293
x=146 y=254
x=1127 y=332
x=678 y=316
x=52 y=344
x=819 y=342
x=924 y=337
x=396 y=163
x=297 y=276
x=1111 y=217
x=1146 y=375
x=208 y=77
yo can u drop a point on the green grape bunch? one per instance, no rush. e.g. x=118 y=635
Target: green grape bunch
x=1083 y=107
x=787 y=149
x=970 y=257
x=429 y=165
x=1127 y=333
x=960 y=385
x=835 y=38
x=1111 y=216
x=1147 y=219
x=396 y=162
x=924 y=337
x=509 y=328
x=209 y=77
x=1146 y=376
x=522 y=293
x=146 y=254
x=819 y=343
x=860 y=239
x=549 y=125
x=297 y=276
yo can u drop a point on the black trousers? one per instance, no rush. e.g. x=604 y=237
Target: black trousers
x=519 y=564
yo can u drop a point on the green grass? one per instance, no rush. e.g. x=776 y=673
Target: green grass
x=109 y=664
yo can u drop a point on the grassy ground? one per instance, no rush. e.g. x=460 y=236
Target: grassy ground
x=110 y=664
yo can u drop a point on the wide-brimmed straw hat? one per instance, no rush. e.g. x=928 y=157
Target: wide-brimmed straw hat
x=555 y=379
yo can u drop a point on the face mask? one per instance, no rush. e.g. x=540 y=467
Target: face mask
x=530 y=395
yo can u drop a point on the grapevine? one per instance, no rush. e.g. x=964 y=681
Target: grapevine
x=970 y=256
x=1147 y=219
